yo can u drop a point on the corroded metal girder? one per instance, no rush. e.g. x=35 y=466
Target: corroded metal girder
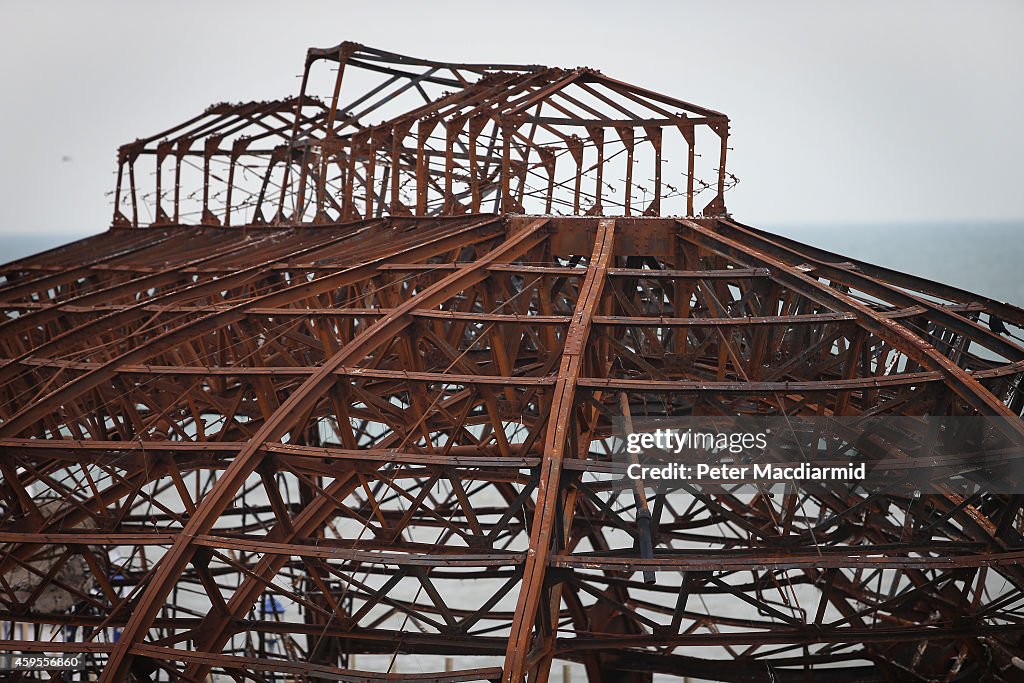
x=361 y=436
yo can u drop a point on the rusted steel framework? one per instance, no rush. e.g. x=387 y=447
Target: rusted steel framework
x=416 y=137
x=358 y=432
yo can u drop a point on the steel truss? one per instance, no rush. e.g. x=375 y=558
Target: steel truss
x=321 y=421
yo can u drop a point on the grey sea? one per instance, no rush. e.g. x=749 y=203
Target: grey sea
x=986 y=257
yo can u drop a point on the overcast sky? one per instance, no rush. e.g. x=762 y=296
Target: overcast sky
x=842 y=112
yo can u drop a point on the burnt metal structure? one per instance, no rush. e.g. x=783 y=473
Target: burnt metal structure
x=327 y=400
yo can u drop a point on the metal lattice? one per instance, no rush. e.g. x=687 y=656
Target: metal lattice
x=332 y=410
